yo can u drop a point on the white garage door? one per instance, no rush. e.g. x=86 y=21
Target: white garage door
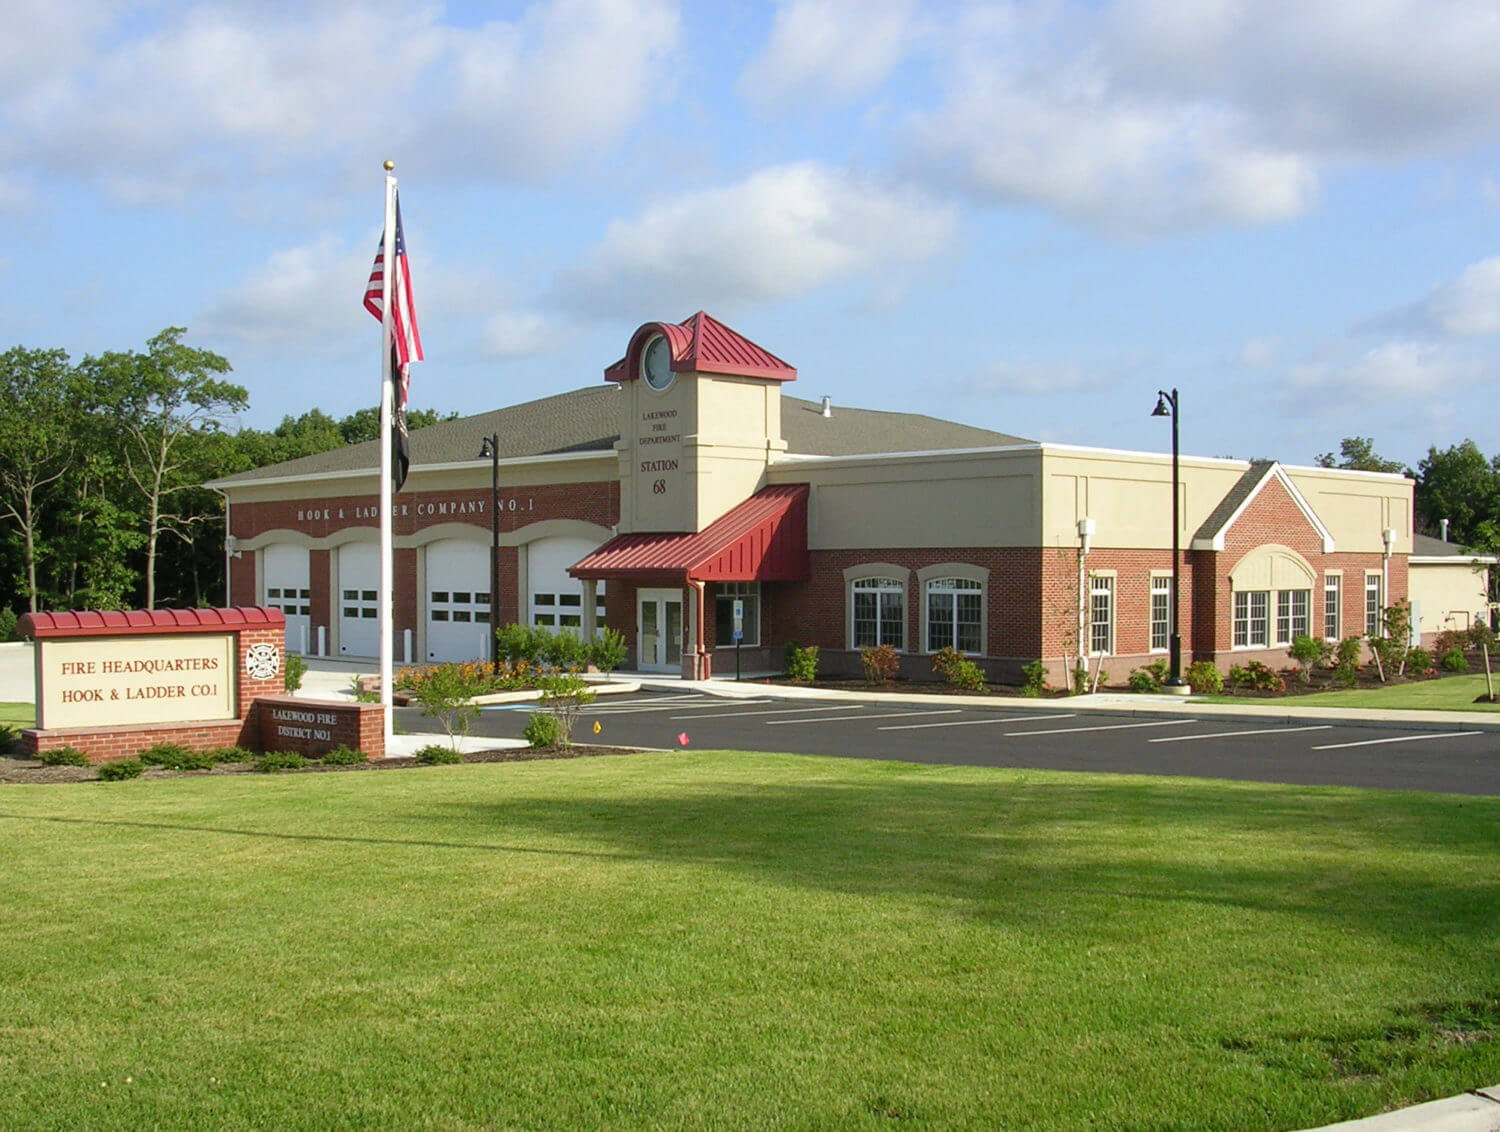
x=289 y=589
x=555 y=600
x=358 y=599
x=458 y=601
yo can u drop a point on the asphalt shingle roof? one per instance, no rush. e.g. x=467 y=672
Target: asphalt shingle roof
x=586 y=420
x=1236 y=495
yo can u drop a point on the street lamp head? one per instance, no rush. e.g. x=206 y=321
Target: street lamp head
x=1163 y=407
x=486 y=450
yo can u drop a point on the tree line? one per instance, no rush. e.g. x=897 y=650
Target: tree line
x=102 y=466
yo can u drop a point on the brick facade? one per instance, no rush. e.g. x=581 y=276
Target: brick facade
x=312 y=727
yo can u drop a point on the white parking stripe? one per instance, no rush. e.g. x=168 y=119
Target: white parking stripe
x=843 y=718
x=1396 y=739
x=622 y=709
x=973 y=722
x=772 y=711
x=1232 y=734
x=1103 y=727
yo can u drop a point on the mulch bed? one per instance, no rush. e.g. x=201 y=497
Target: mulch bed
x=15 y=769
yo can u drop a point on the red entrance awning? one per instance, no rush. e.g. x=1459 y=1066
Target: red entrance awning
x=764 y=539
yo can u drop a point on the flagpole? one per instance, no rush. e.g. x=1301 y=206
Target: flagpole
x=387 y=580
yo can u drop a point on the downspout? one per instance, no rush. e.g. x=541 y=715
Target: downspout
x=700 y=665
x=1387 y=536
x=1085 y=539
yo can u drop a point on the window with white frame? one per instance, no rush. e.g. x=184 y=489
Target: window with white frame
x=1251 y=618
x=879 y=612
x=1333 y=602
x=955 y=615
x=1253 y=626
x=1101 y=614
x=1374 y=601
x=725 y=595
x=1291 y=615
x=565 y=610
x=1161 y=613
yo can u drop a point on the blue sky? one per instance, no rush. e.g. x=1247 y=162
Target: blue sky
x=1026 y=217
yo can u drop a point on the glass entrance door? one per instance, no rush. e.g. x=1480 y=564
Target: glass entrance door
x=659 y=630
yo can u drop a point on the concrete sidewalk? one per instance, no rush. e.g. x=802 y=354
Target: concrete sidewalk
x=1478 y=1111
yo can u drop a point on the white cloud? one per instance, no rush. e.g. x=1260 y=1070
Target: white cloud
x=1258 y=353
x=1396 y=370
x=1155 y=115
x=838 y=48
x=201 y=96
x=306 y=296
x=780 y=233
x=1033 y=378
x=516 y=334
x=1470 y=305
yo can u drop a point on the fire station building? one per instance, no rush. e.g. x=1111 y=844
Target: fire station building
x=688 y=478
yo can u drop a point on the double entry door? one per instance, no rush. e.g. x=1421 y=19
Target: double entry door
x=659 y=630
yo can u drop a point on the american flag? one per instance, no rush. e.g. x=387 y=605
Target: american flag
x=406 y=342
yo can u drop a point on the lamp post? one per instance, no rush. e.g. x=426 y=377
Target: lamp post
x=491 y=448
x=1166 y=406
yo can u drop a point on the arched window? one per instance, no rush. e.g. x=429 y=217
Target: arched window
x=955 y=615
x=879 y=612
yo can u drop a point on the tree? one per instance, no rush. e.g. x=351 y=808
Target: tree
x=1357 y=453
x=162 y=403
x=364 y=424
x=1460 y=485
x=38 y=439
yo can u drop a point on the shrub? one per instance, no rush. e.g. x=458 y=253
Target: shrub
x=1035 y=676
x=447 y=694
x=1264 y=678
x=165 y=754
x=564 y=696
x=1450 y=639
x=945 y=660
x=120 y=770
x=802 y=663
x=521 y=644
x=1481 y=635
x=543 y=731
x=231 y=755
x=292 y=672
x=967 y=675
x=10 y=739
x=565 y=651
x=360 y=692
x=880 y=664
x=1308 y=651
x=608 y=651
x=1348 y=652
x=1239 y=677
x=436 y=754
x=8 y=621
x=1345 y=675
x=63 y=756
x=1142 y=680
x=1080 y=678
x=1455 y=661
x=1204 y=676
x=343 y=756
x=1419 y=660
x=273 y=761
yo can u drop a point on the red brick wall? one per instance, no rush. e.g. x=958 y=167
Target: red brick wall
x=322 y=605
x=333 y=723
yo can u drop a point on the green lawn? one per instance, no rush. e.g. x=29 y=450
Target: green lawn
x=730 y=940
x=1451 y=693
x=17 y=715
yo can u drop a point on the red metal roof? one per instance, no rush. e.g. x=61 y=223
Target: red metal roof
x=132 y=622
x=703 y=344
x=764 y=539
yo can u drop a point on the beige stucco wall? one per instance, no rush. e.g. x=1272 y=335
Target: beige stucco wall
x=1450 y=594
x=694 y=450
x=1129 y=497
x=985 y=498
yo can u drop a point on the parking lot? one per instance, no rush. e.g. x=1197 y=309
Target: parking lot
x=1459 y=759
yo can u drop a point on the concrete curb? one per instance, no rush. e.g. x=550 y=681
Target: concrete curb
x=1478 y=1111
x=1107 y=703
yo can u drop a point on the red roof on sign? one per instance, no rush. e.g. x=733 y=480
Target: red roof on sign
x=131 y=622
x=764 y=539
x=703 y=344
